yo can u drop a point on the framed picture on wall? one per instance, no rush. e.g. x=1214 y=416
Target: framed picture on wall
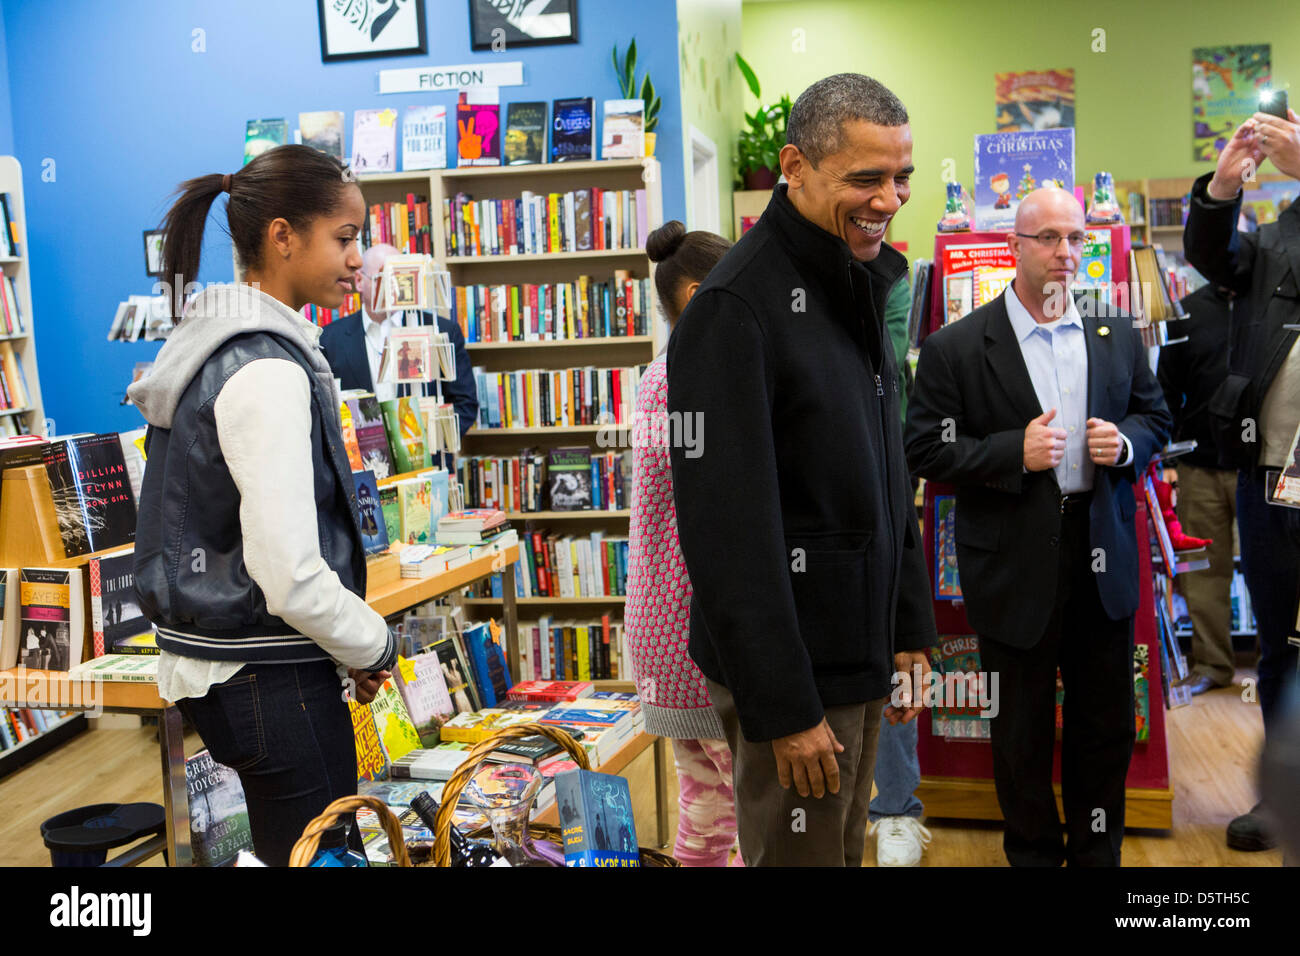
x=358 y=29
x=503 y=24
x=153 y=254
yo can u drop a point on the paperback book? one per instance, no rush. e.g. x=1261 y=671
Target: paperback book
x=51 y=622
x=571 y=131
x=525 y=133
x=219 y=826
x=424 y=138
x=92 y=493
x=374 y=531
x=1008 y=166
x=596 y=819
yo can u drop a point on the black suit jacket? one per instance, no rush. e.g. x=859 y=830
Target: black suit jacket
x=344 y=345
x=1008 y=521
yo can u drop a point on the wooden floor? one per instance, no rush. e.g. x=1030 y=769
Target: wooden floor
x=1213 y=748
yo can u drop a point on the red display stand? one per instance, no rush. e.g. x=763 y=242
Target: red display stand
x=957 y=775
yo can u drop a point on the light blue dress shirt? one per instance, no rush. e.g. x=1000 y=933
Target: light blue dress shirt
x=1056 y=355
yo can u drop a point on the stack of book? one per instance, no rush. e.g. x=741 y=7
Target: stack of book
x=471 y=526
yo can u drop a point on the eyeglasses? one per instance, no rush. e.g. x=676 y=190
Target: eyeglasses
x=1050 y=240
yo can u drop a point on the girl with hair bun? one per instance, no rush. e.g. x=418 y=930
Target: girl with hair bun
x=672 y=690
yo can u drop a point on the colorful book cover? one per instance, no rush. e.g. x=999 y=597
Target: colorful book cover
x=947 y=582
x=372 y=436
x=956 y=660
x=350 y=438
x=393 y=722
x=478 y=127
x=92 y=493
x=219 y=826
x=390 y=503
x=525 y=133
x=423 y=687
x=47 y=638
x=1008 y=166
x=1034 y=100
x=623 y=135
x=1094 y=265
x=1226 y=83
x=455 y=673
x=960 y=263
x=374 y=531
x=371 y=764
x=374 y=141
x=440 y=489
x=324 y=131
x=569 y=474
x=416 y=496
x=571 y=130
x=116 y=617
x=1142 y=691
x=405 y=434
x=596 y=819
x=488 y=660
x=261 y=135
x=424 y=138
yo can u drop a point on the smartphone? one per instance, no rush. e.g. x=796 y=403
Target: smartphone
x=1274 y=103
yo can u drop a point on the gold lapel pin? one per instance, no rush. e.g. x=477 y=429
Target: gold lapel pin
x=1103 y=330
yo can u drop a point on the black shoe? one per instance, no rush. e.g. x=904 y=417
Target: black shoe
x=1199 y=684
x=1249 y=833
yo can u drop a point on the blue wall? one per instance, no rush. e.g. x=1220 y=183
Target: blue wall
x=6 y=106
x=114 y=95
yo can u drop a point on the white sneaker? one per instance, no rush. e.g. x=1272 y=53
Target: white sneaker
x=900 y=841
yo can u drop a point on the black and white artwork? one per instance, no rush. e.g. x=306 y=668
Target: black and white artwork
x=502 y=24
x=357 y=29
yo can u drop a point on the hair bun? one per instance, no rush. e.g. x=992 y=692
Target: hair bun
x=665 y=240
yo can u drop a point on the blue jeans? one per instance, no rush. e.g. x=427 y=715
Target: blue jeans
x=1270 y=562
x=286 y=731
x=898 y=772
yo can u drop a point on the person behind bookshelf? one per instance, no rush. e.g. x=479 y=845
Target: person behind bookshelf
x=673 y=695
x=796 y=519
x=354 y=345
x=249 y=556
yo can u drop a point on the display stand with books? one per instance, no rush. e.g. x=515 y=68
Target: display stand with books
x=956 y=760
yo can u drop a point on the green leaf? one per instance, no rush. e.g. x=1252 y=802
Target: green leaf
x=631 y=66
x=647 y=90
x=749 y=76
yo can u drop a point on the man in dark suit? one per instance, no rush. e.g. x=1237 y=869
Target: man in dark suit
x=354 y=345
x=1043 y=414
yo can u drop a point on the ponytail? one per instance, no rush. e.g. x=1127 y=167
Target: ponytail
x=292 y=182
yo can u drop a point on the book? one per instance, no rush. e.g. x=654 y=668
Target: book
x=525 y=133
x=323 y=130
x=947 y=581
x=1094 y=264
x=569 y=476
x=455 y=673
x=1009 y=165
x=92 y=493
x=264 y=134
x=423 y=687
x=491 y=673
x=390 y=503
x=596 y=819
x=956 y=660
x=433 y=763
x=9 y=244
x=571 y=130
x=374 y=532
x=219 y=826
x=529 y=750
x=472 y=519
x=374 y=140
x=623 y=134
x=133 y=454
x=397 y=733
x=350 y=438
x=415 y=495
x=51 y=623
x=476 y=726
x=424 y=138
x=478 y=127
x=1142 y=691
x=962 y=263
x=1287 y=490
x=405 y=435
x=551 y=690
x=132 y=668
x=371 y=763
x=114 y=611
x=9 y=630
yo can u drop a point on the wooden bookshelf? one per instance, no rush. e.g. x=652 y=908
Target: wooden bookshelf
x=639 y=341
x=527 y=601
x=589 y=515
x=18 y=268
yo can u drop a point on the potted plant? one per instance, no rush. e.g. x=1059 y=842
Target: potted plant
x=626 y=73
x=759 y=147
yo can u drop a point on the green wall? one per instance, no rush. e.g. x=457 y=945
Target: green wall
x=708 y=37
x=1132 y=102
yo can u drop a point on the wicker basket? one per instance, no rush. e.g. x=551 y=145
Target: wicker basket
x=309 y=842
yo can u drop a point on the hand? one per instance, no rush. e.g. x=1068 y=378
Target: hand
x=1279 y=140
x=366 y=684
x=1241 y=153
x=808 y=759
x=905 y=663
x=1104 y=443
x=1044 y=446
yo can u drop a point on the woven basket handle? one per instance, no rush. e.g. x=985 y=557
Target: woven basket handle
x=460 y=779
x=309 y=842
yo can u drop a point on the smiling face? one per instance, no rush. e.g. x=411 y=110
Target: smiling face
x=326 y=256
x=854 y=192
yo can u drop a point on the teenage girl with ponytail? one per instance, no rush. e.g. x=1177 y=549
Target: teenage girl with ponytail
x=673 y=695
x=248 y=556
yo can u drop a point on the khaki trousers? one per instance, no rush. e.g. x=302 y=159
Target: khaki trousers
x=1207 y=508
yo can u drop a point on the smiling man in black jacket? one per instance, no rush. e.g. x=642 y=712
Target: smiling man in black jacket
x=796 y=516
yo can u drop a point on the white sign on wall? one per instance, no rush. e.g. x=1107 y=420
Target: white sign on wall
x=422 y=79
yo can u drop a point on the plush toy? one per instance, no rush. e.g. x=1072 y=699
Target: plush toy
x=1180 y=541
